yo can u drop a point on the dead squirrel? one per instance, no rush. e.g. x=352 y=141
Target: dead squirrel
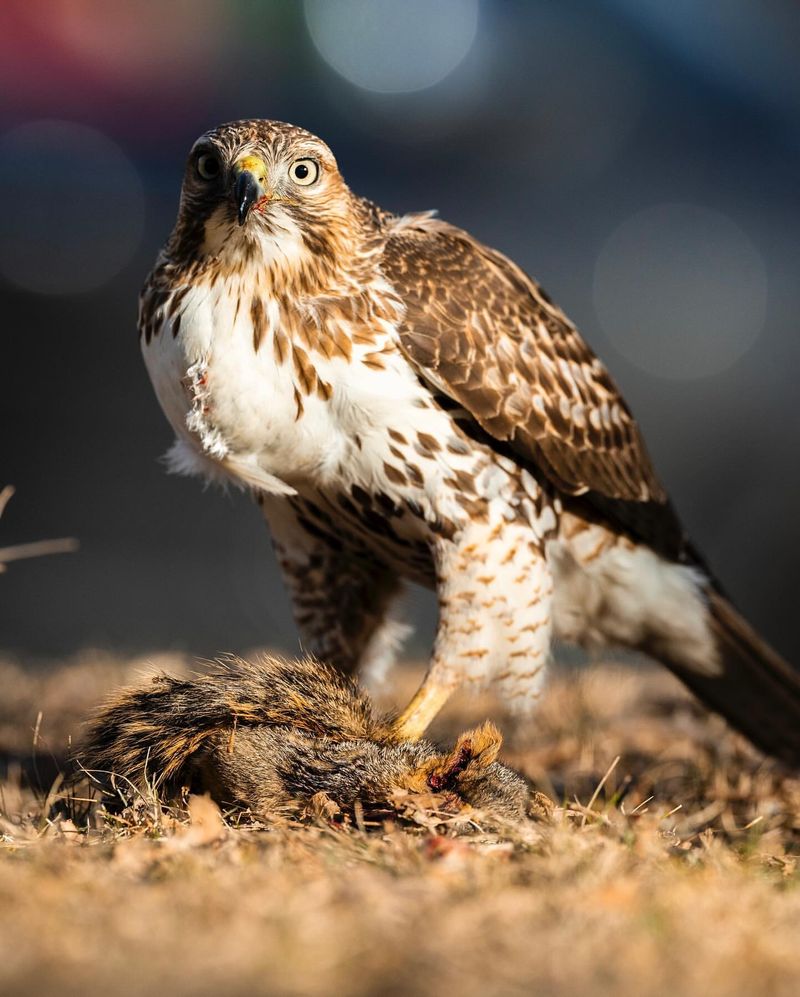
x=268 y=735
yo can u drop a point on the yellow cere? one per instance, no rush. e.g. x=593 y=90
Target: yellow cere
x=254 y=165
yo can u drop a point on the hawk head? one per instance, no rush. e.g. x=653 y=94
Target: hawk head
x=261 y=190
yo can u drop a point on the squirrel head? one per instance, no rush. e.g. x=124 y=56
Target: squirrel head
x=472 y=755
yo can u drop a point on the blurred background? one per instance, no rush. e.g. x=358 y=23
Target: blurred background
x=639 y=157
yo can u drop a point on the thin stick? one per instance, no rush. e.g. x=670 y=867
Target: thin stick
x=38 y=548
x=44 y=821
x=5 y=495
x=37 y=728
x=600 y=785
x=358 y=813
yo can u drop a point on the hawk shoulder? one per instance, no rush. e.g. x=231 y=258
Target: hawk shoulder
x=481 y=331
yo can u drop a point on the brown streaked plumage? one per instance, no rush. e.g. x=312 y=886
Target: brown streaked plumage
x=409 y=405
x=486 y=335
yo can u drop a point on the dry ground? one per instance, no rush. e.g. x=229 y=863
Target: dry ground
x=678 y=877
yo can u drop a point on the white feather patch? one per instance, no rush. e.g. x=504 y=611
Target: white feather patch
x=184 y=459
x=631 y=597
x=381 y=652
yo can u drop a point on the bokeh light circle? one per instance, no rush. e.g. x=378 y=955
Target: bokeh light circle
x=72 y=205
x=680 y=291
x=392 y=46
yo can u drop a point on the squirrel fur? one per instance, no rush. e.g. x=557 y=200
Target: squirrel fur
x=268 y=735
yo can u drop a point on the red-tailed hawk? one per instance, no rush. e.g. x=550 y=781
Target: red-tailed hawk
x=406 y=403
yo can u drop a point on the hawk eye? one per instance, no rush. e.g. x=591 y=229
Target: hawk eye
x=304 y=172
x=208 y=166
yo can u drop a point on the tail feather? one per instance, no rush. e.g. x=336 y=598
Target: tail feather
x=755 y=689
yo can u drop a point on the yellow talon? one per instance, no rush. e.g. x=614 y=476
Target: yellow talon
x=417 y=716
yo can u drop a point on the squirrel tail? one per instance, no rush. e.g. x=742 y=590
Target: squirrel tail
x=155 y=730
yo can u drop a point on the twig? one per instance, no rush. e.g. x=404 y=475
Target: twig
x=44 y=820
x=600 y=785
x=358 y=813
x=38 y=548
x=5 y=495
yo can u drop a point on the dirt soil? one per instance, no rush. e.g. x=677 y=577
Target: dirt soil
x=669 y=865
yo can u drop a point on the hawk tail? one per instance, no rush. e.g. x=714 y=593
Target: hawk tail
x=754 y=688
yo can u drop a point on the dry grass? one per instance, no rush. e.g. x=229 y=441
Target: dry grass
x=680 y=877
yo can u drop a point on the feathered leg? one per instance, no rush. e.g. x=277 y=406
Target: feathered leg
x=340 y=591
x=494 y=590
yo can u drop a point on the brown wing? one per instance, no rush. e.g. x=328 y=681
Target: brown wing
x=481 y=331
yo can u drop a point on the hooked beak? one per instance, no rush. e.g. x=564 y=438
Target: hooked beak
x=249 y=185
